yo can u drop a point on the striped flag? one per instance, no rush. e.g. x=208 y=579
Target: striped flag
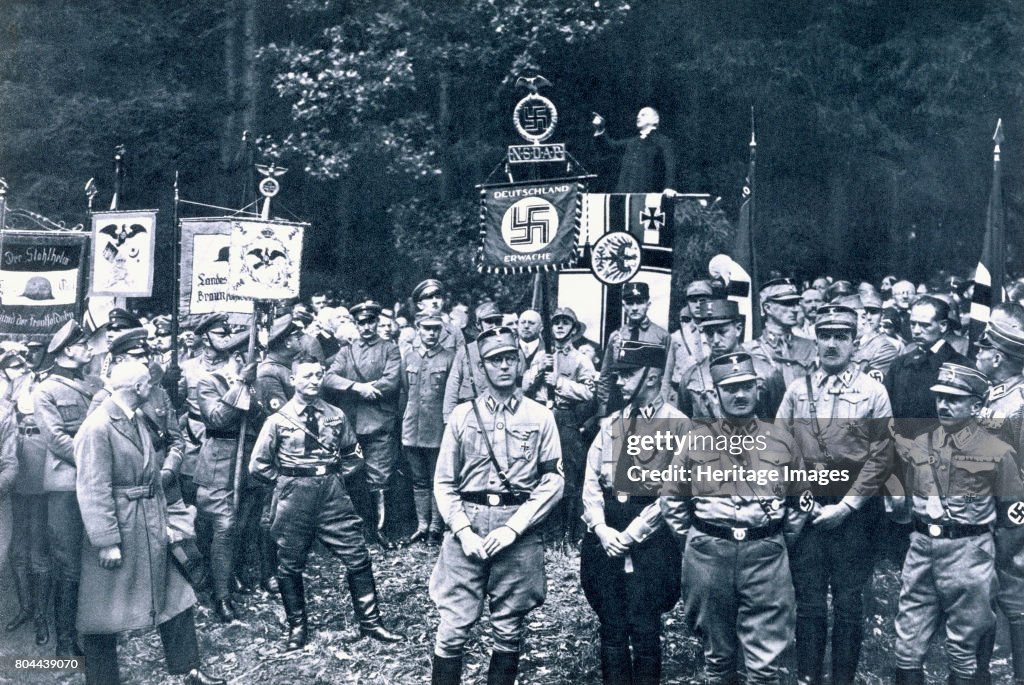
x=988 y=277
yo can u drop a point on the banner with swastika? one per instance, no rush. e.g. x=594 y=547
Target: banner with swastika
x=529 y=227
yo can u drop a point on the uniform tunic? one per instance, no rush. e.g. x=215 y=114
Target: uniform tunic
x=953 y=479
x=608 y=397
x=792 y=355
x=523 y=436
x=874 y=355
x=424 y=375
x=699 y=398
x=687 y=348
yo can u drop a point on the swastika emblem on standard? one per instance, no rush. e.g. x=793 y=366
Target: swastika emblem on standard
x=806 y=501
x=1016 y=513
x=529 y=225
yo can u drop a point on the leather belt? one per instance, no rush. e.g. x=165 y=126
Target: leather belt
x=195 y=417
x=222 y=434
x=948 y=531
x=308 y=471
x=28 y=430
x=134 y=492
x=738 y=534
x=625 y=499
x=492 y=499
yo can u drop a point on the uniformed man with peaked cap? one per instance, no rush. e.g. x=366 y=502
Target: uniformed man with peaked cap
x=467 y=380
x=794 y=356
x=875 y=351
x=721 y=325
x=839 y=419
x=629 y=563
x=61 y=403
x=736 y=571
x=273 y=375
x=498 y=475
x=687 y=348
x=962 y=480
x=428 y=298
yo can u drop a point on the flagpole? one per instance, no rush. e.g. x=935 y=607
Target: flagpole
x=988 y=276
x=174 y=369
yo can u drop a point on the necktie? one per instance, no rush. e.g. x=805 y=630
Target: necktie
x=634 y=333
x=312 y=428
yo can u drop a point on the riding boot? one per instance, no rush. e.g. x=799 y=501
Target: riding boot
x=41 y=593
x=23 y=590
x=377 y=499
x=268 y=563
x=503 y=668
x=846 y=642
x=294 y=599
x=436 y=522
x=421 y=500
x=65 y=612
x=986 y=645
x=364 y=602
x=811 y=635
x=445 y=670
x=959 y=679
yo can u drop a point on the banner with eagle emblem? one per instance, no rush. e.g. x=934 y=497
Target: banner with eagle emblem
x=529 y=227
x=265 y=259
x=123 y=244
x=205 y=256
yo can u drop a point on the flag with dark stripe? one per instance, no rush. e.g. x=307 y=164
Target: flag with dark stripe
x=988 y=277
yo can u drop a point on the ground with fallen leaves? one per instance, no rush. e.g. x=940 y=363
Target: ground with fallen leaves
x=562 y=645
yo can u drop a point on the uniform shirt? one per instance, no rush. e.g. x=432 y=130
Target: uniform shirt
x=282 y=440
x=602 y=460
x=699 y=398
x=524 y=438
x=576 y=378
x=908 y=381
x=846 y=426
x=959 y=477
x=686 y=349
x=1003 y=413
x=273 y=382
x=31 y=446
x=378 y=363
x=191 y=371
x=8 y=449
x=467 y=379
x=647 y=331
x=874 y=355
x=793 y=355
x=733 y=503
x=61 y=403
x=224 y=402
x=424 y=375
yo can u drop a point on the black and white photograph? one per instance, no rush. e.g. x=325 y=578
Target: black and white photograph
x=518 y=342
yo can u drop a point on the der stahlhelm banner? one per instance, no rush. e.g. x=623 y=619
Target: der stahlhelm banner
x=529 y=227
x=40 y=282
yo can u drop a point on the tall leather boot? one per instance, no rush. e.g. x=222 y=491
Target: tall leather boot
x=646 y=659
x=65 y=612
x=377 y=501
x=268 y=563
x=846 y=642
x=445 y=670
x=1017 y=651
x=616 y=666
x=912 y=676
x=364 y=602
x=503 y=668
x=293 y=597
x=811 y=635
x=26 y=607
x=41 y=593
x=421 y=500
x=436 y=522
x=958 y=679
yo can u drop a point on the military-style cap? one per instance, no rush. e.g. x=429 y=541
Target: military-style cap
x=636 y=291
x=130 y=341
x=497 y=340
x=779 y=290
x=699 y=289
x=68 y=334
x=957 y=379
x=162 y=325
x=386 y=313
x=891 y=316
x=11 y=360
x=236 y=341
x=839 y=289
x=1007 y=340
x=365 y=311
x=282 y=327
x=427 y=288
x=871 y=300
x=429 y=320
x=729 y=369
x=852 y=301
x=213 y=322
x=302 y=318
x=565 y=313
x=832 y=316
x=714 y=312
x=120 y=319
x=486 y=310
x=637 y=354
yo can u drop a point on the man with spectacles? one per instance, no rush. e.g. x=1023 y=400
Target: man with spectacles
x=498 y=476
x=364 y=380
x=61 y=402
x=792 y=355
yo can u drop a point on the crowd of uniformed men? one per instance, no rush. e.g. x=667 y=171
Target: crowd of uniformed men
x=131 y=484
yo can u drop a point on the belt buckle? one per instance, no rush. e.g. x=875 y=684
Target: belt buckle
x=319 y=470
x=493 y=500
x=622 y=499
x=935 y=530
x=739 y=534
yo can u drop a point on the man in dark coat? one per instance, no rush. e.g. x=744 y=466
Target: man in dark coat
x=127 y=582
x=648 y=162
